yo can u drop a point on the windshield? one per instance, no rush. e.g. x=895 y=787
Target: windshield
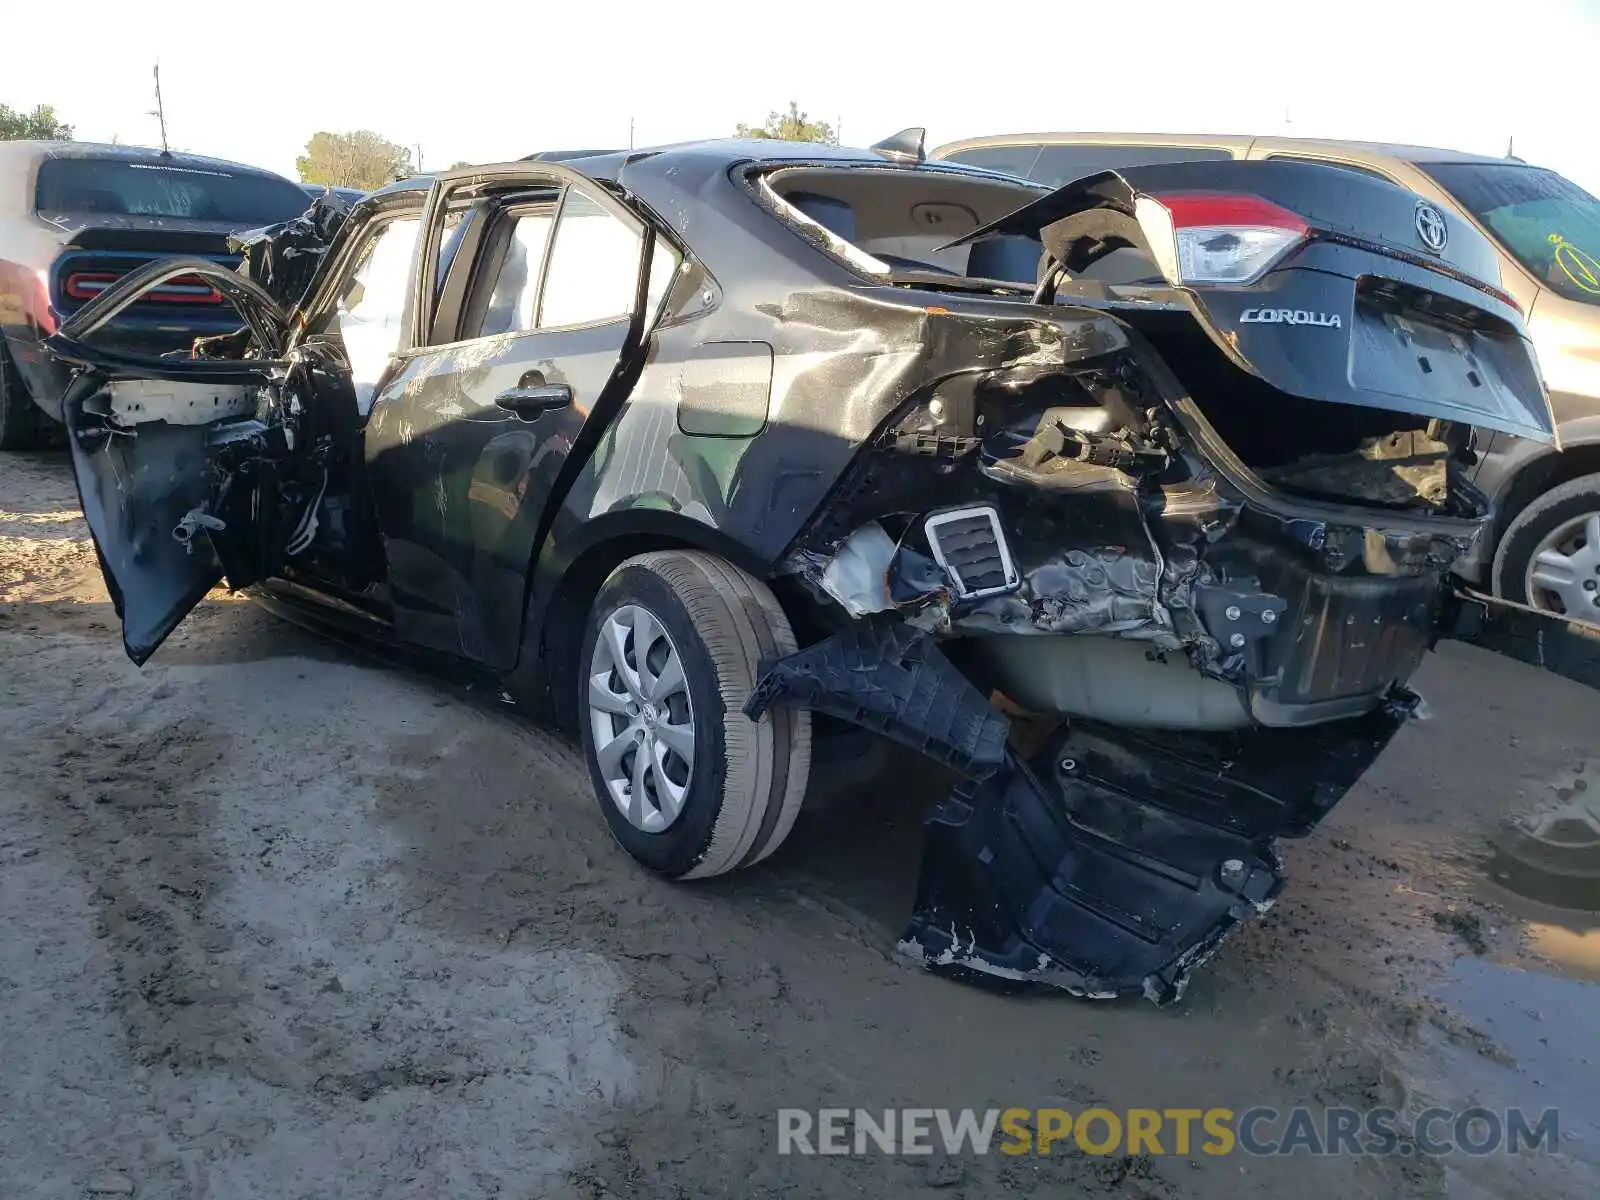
x=151 y=189
x=1548 y=223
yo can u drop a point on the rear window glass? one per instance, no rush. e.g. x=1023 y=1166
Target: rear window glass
x=109 y=187
x=1545 y=221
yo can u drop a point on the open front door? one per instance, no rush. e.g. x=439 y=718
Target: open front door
x=179 y=462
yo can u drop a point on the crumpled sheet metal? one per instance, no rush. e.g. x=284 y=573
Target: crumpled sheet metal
x=282 y=258
x=857 y=575
x=1101 y=589
x=870 y=572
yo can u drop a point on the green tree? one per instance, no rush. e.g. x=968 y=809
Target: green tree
x=459 y=163
x=792 y=126
x=360 y=160
x=40 y=123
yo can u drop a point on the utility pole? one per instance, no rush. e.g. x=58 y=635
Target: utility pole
x=419 y=157
x=160 y=112
x=630 y=133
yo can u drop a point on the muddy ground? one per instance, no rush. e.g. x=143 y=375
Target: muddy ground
x=281 y=922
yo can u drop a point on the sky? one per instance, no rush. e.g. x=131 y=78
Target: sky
x=485 y=82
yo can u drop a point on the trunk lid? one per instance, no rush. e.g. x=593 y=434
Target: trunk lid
x=1366 y=294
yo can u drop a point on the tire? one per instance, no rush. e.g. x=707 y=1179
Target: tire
x=1558 y=509
x=22 y=425
x=745 y=780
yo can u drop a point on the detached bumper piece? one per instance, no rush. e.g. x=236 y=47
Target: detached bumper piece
x=1116 y=864
x=1033 y=878
x=887 y=676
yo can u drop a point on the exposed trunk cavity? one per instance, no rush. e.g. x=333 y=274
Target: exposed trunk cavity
x=1315 y=448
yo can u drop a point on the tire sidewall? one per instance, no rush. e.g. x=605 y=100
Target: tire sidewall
x=678 y=848
x=20 y=420
x=1530 y=528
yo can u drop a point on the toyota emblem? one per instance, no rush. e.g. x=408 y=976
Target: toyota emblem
x=1431 y=227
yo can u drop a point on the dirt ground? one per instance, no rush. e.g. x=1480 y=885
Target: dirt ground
x=280 y=922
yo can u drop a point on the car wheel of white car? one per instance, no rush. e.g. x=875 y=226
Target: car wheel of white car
x=1550 y=556
x=688 y=785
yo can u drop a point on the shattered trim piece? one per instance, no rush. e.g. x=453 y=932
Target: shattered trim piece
x=890 y=677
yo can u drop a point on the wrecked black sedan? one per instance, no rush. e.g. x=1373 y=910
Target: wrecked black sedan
x=699 y=449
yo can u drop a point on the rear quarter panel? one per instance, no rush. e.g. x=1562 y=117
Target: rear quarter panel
x=28 y=246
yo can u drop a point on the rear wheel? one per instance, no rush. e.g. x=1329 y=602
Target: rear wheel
x=1550 y=556
x=22 y=425
x=687 y=784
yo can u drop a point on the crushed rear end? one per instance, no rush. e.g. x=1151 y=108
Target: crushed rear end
x=1202 y=522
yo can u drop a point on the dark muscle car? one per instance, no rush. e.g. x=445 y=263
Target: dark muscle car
x=74 y=218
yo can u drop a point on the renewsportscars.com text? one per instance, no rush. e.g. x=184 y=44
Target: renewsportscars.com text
x=1182 y=1131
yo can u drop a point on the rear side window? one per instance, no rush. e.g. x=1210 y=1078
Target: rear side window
x=115 y=187
x=1015 y=160
x=560 y=262
x=594 y=265
x=1058 y=165
x=1369 y=172
x=1545 y=221
x=514 y=300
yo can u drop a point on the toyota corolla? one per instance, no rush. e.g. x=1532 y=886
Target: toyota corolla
x=704 y=451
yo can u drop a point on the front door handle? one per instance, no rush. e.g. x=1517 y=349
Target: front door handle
x=530 y=403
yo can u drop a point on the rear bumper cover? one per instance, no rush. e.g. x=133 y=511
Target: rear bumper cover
x=1114 y=862
x=1074 y=871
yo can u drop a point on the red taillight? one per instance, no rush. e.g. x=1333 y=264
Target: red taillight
x=1217 y=237
x=185 y=289
x=87 y=285
x=1190 y=209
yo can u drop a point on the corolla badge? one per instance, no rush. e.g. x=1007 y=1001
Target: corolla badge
x=1431 y=227
x=1289 y=316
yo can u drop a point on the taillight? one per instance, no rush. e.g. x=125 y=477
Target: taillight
x=86 y=285
x=185 y=289
x=1206 y=237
